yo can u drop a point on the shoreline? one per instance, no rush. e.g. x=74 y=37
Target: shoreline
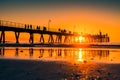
x=61 y=45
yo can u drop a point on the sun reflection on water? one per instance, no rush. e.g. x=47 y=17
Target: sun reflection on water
x=80 y=55
x=73 y=55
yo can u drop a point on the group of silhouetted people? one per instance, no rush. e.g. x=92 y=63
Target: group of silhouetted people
x=62 y=31
x=28 y=26
x=38 y=27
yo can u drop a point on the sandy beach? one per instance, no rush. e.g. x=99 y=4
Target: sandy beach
x=11 y=69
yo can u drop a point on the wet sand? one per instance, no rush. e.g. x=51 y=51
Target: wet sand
x=57 y=70
x=83 y=45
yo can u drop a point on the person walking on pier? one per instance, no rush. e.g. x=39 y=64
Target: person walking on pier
x=25 y=26
x=30 y=26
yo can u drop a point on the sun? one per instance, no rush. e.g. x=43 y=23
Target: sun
x=81 y=39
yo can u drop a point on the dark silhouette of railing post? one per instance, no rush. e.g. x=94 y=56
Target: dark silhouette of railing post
x=59 y=38
x=100 y=36
x=31 y=40
x=41 y=51
x=50 y=51
x=107 y=38
x=17 y=36
x=2 y=37
x=42 y=38
x=2 y=51
x=16 y=52
x=51 y=39
x=66 y=39
x=31 y=52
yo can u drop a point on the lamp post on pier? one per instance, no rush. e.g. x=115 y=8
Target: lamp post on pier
x=49 y=24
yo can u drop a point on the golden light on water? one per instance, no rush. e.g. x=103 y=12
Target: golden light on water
x=71 y=55
x=80 y=55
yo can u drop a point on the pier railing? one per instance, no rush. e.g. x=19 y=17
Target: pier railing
x=21 y=25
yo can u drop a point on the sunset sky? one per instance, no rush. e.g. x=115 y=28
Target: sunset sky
x=86 y=16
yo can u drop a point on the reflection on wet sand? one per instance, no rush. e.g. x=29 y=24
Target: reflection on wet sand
x=68 y=54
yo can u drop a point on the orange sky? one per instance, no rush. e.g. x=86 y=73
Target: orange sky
x=85 y=19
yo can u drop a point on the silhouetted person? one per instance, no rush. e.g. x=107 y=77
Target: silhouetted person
x=59 y=29
x=30 y=26
x=44 y=28
x=64 y=31
x=39 y=27
x=69 y=32
x=25 y=26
